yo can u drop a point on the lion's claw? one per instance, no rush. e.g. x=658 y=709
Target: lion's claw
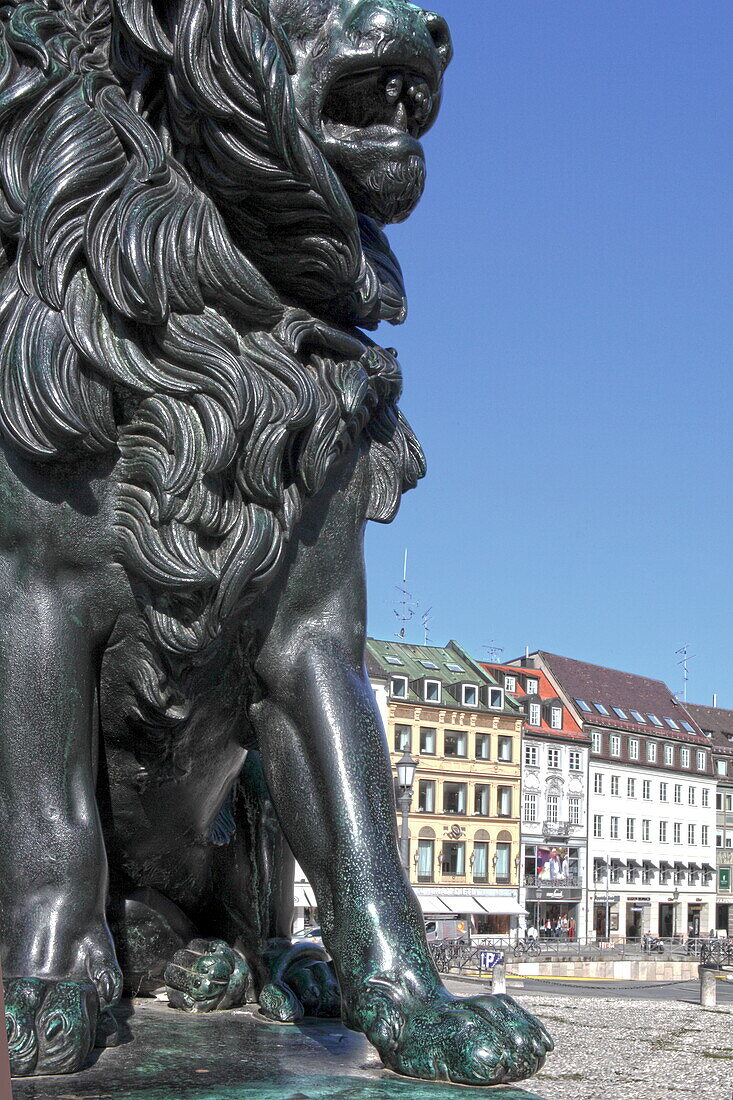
x=302 y=983
x=477 y=1041
x=207 y=975
x=51 y=1025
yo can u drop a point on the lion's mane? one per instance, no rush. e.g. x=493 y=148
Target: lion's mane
x=131 y=321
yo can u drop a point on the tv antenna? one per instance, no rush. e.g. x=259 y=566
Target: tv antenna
x=426 y=625
x=406 y=610
x=684 y=654
x=494 y=651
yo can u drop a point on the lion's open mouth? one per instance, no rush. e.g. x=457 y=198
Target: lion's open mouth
x=379 y=103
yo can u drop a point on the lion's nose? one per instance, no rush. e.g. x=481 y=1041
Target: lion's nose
x=440 y=35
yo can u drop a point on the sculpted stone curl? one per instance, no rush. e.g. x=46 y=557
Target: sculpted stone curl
x=194 y=431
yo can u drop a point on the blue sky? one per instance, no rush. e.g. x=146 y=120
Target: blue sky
x=567 y=357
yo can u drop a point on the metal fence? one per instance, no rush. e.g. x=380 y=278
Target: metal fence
x=716 y=953
x=459 y=955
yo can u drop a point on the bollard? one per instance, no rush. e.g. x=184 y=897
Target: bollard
x=708 y=987
x=498 y=978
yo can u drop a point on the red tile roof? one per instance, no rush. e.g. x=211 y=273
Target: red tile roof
x=717 y=722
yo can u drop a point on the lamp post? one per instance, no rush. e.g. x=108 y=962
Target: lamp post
x=406 y=768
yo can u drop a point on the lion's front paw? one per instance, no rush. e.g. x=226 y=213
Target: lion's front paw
x=477 y=1041
x=51 y=1025
x=207 y=975
x=302 y=983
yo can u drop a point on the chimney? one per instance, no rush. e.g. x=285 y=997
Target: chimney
x=715 y=698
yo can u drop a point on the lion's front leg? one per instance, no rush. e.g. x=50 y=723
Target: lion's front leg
x=58 y=959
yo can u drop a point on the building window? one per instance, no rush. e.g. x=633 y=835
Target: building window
x=530 y=806
x=425 y=860
x=505 y=749
x=535 y=714
x=598 y=783
x=691 y=796
x=651 y=752
x=495 y=700
x=574 y=810
x=684 y=758
x=718 y=801
x=454 y=857
x=669 y=754
x=705 y=796
x=678 y=793
x=533 y=687
x=454 y=798
x=718 y=840
x=399 y=687
x=728 y=803
x=721 y=767
x=553 y=808
x=426 y=796
x=574 y=760
x=596 y=742
x=633 y=748
x=583 y=705
x=483 y=746
x=455 y=743
x=480 y=862
x=402 y=738
x=615 y=745
x=646 y=829
x=530 y=755
x=432 y=691
x=427 y=741
x=510 y=683
x=597 y=826
x=704 y=835
x=690 y=834
x=614 y=785
x=646 y=789
x=631 y=788
x=601 y=709
x=481 y=799
x=662 y=832
x=553 y=758
x=503 y=862
x=630 y=828
x=470 y=695
x=677 y=833
x=556 y=718
x=614 y=828
x=662 y=792
x=701 y=765
x=504 y=801
x=655 y=721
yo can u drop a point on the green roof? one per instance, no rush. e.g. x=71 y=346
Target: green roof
x=450 y=664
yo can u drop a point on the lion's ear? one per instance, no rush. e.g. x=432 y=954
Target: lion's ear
x=145 y=29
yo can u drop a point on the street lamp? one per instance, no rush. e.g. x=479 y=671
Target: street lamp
x=406 y=768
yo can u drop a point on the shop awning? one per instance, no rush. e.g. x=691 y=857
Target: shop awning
x=708 y=867
x=651 y=866
x=617 y=862
x=304 y=898
x=499 y=906
x=431 y=904
x=679 y=865
x=694 y=866
x=665 y=865
x=632 y=863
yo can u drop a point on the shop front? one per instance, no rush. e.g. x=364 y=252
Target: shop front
x=485 y=913
x=606 y=915
x=554 y=910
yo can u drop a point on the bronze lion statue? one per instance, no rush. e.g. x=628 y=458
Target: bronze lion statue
x=194 y=430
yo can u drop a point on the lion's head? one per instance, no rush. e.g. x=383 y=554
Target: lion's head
x=192 y=195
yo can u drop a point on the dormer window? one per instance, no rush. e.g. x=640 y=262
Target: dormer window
x=556 y=718
x=431 y=691
x=398 y=687
x=510 y=683
x=533 y=687
x=470 y=695
x=495 y=698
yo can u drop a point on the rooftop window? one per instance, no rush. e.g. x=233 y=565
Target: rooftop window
x=654 y=720
x=583 y=705
x=600 y=708
x=638 y=717
x=687 y=726
x=393 y=660
x=671 y=723
x=620 y=713
x=451 y=668
x=428 y=664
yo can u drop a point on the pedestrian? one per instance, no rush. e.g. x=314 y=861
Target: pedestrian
x=571 y=929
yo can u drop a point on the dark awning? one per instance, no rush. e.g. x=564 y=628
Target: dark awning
x=632 y=863
x=707 y=867
x=665 y=865
x=679 y=865
x=617 y=862
x=651 y=866
x=600 y=861
x=694 y=866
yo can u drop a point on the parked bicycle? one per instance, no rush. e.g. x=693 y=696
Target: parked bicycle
x=530 y=945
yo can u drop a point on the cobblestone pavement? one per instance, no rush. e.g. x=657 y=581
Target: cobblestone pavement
x=620 y=1049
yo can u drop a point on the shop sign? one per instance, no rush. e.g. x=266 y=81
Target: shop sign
x=553 y=893
x=724 y=878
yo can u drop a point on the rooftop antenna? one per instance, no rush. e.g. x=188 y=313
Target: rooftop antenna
x=494 y=651
x=684 y=654
x=426 y=625
x=406 y=611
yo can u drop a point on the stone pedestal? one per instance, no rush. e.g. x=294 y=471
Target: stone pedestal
x=237 y=1055
x=708 y=987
